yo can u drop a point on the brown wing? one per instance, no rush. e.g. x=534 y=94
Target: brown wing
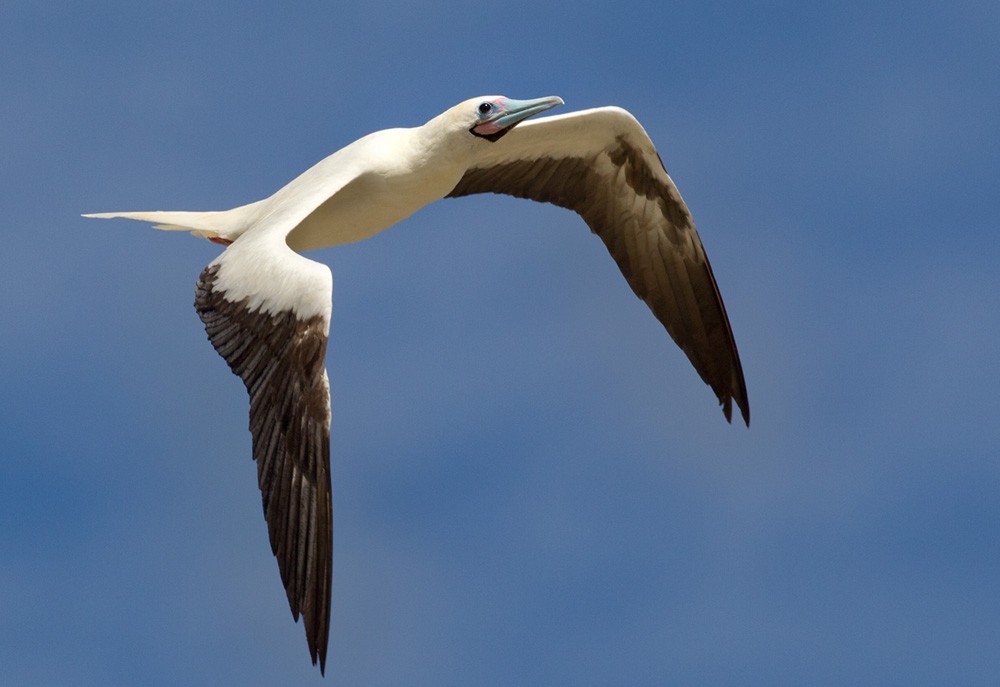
x=281 y=360
x=626 y=197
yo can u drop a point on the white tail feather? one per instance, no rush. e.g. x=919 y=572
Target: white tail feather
x=226 y=224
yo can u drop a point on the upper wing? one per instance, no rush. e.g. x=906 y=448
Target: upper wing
x=275 y=338
x=601 y=164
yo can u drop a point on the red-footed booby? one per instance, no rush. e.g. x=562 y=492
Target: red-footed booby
x=267 y=309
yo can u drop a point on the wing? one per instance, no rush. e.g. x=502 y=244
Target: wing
x=275 y=338
x=267 y=312
x=601 y=164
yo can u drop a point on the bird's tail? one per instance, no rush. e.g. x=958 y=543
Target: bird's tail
x=226 y=225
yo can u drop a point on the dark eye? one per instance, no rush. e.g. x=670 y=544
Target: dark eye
x=485 y=108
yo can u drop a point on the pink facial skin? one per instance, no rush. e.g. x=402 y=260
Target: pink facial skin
x=488 y=128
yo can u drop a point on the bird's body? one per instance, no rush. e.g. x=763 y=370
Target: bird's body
x=267 y=309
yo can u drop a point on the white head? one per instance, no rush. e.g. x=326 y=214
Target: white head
x=489 y=117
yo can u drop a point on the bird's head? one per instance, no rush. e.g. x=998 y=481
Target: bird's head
x=489 y=117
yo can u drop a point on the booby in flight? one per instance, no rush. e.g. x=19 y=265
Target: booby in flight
x=267 y=309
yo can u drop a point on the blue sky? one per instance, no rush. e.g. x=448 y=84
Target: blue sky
x=531 y=486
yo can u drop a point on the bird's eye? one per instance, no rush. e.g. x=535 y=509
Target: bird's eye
x=485 y=108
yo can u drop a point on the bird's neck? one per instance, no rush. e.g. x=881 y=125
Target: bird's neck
x=438 y=141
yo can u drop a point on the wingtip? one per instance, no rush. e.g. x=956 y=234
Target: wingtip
x=318 y=655
x=317 y=645
x=742 y=403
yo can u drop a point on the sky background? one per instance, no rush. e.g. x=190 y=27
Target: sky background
x=531 y=484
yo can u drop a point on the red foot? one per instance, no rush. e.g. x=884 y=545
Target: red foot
x=219 y=240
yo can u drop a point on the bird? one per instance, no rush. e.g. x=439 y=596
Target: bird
x=266 y=308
